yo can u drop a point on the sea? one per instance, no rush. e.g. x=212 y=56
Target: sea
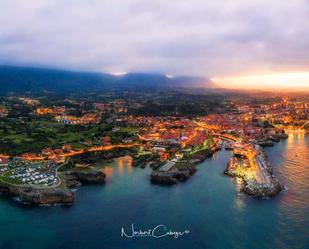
x=208 y=210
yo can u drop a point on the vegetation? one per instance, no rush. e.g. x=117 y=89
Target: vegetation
x=18 y=136
x=182 y=165
x=5 y=177
x=68 y=165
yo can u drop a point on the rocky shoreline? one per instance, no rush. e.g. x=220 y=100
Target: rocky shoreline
x=62 y=195
x=181 y=174
x=251 y=186
x=142 y=161
x=173 y=176
x=263 y=191
x=71 y=177
x=270 y=140
x=85 y=177
x=39 y=196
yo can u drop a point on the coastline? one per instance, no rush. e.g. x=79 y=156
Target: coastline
x=243 y=168
x=182 y=171
x=62 y=194
x=75 y=171
x=78 y=170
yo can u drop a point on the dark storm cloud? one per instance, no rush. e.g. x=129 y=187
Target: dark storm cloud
x=199 y=37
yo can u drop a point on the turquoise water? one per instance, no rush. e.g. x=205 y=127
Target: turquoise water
x=208 y=204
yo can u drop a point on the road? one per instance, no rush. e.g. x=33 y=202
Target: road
x=261 y=171
x=79 y=152
x=259 y=167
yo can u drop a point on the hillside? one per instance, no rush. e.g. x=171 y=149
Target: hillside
x=23 y=79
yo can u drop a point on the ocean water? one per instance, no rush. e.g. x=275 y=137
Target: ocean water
x=209 y=205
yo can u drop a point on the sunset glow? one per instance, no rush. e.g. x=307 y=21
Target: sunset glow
x=269 y=80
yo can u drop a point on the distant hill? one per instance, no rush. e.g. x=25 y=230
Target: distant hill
x=23 y=79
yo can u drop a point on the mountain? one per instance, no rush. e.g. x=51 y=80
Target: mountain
x=160 y=80
x=137 y=80
x=23 y=79
x=20 y=79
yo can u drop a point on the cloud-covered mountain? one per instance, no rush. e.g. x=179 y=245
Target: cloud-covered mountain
x=193 y=82
x=197 y=37
x=22 y=79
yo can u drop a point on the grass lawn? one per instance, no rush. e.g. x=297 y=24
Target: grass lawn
x=5 y=177
x=18 y=137
x=130 y=130
x=181 y=165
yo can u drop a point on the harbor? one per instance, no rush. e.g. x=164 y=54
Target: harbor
x=249 y=163
x=222 y=210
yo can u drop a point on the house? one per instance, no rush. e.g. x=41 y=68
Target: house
x=67 y=147
x=47 y=152
x=179 y=155
x=106 y=140
x=127 y=140
x=158 y=150
x=164 y=156
x=4 y=161
x=58 y=151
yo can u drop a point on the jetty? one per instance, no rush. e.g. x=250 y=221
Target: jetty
x=250 y=164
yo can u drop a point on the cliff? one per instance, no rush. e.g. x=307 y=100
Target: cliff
x=53 y=195
x=172 y=176
x=39 y=196
x=85 y=177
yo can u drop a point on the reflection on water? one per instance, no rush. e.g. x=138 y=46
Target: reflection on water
x=239 y=203
x=291 y=161
x=121 y=164
x=217 y=215
x=293 y=169
x=108 y=171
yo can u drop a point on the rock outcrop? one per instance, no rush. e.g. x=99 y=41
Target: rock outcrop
x=172 y=176
x=39 y=196
x=85 y=177
x=53 y=195
x=261 y=191
x=180 y=174
x=251 y=186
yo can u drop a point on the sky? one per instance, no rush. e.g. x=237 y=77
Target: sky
x=237 y=43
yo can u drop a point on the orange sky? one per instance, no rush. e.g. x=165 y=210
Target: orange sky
x=266 y=81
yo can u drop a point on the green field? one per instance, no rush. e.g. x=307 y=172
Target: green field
x=5 y=177
x=19 y=136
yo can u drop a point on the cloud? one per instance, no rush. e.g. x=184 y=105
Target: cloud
x=212 y=38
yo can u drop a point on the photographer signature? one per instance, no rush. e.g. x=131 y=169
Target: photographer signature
x=157 y=232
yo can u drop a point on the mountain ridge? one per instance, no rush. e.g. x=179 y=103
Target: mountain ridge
x=23 y=79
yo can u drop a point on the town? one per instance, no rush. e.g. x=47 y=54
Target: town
x=39 y=173
x=39 y=137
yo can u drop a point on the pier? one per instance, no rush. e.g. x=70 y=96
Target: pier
x=257 y=161
x=250 y=164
